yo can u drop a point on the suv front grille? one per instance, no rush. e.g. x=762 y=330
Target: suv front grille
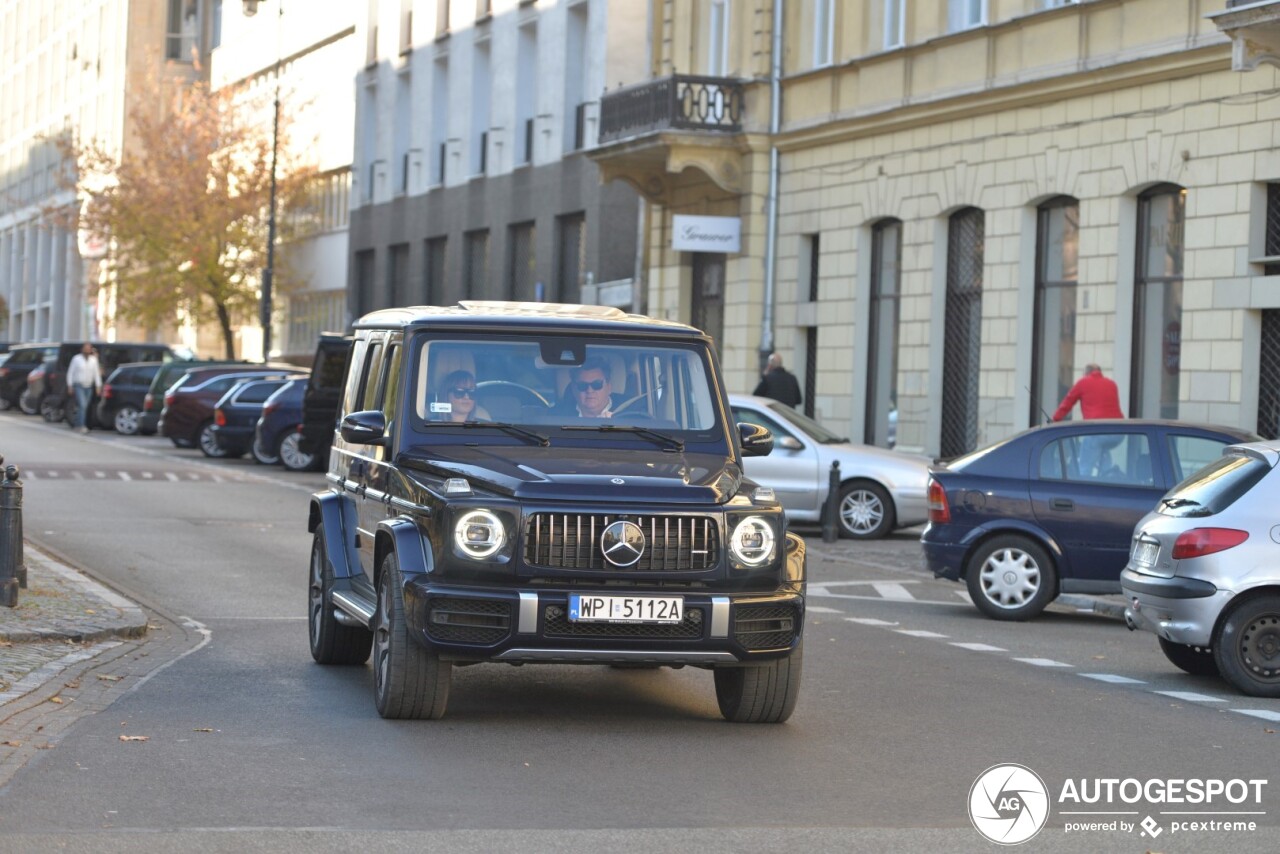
x=480 y=621
x=555 y=623
x=572 y=541
x=764 y=626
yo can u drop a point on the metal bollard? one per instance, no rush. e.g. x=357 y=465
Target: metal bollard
x=831 y=508
x=13 y=572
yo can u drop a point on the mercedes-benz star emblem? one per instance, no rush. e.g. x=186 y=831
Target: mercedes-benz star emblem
x=622 y=543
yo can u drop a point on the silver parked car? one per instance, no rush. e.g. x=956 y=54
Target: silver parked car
x=1204 y=570
x=880 y=490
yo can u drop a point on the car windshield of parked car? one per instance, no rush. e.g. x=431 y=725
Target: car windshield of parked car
x=1215 y=487
x=544 y=383
x=807 y=425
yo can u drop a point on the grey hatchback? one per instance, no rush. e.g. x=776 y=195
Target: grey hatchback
x=1204 y=571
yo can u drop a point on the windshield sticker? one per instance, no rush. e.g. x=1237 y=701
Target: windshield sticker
x=441 y=407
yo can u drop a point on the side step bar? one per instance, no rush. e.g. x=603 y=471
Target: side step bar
x=353 y=609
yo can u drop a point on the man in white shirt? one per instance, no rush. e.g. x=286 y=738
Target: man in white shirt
x=83 y=379
x=592 y=390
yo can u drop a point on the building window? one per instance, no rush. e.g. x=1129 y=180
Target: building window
x=572 y=258
x=811 y=333
x=526 y=90
x=1269 y=376
x=882 y=354
x=708 y=294
x=402 y=158
x=895 y=23
x=476 y=275
x=439 y=121
x=442 y=18
x=323 y=205
x=433 y=271
x=718 y=39
x=1271 y=242
x=182 y=40
x=364 y=282
x=523 y=262
x=962 y=338
x=1053 y=349
x=1157 y=308
x=575 y=74
x=215 y=39
x=398 y=275
x=371 y=35
x=1053 y=4
x=480 y=93
x=824 y=32
x=406 y=26
x=965 y=14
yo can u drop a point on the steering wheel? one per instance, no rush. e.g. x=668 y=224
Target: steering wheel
x=529 y=397
x=621 y=406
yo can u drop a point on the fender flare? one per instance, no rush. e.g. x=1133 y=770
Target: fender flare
x=336 y=514
x=402 y=536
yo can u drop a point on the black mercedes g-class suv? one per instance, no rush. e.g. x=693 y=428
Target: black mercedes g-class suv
x=525 y=482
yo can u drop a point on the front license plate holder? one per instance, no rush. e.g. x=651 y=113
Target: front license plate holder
x=604 y=608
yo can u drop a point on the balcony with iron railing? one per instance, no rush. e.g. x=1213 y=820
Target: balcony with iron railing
x=651 y=130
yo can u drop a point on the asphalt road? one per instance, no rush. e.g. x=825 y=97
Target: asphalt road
x=909 y=695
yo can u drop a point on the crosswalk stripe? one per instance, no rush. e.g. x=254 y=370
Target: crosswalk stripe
x=979 y=647
x=1113 y=679
x=1042 y=662
x=870 y=621
x=920 y=633
x=1259 y=713
x=1191 y=696
x=892 y=590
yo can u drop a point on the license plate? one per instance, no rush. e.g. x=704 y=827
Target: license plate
x=1145 y=553
x=625 y=609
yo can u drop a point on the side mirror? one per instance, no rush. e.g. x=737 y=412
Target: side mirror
x=757 y=441
x=364 y=428
x=789 y=443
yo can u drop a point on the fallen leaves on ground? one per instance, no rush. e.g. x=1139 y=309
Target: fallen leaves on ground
x=13 y=742
x=73 y=684
x=107 y=677
x=57 y=700
x=135 y=738
x=203 y=729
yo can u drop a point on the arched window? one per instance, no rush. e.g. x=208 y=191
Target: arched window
x=882 y=351
x=1053 y=347
x=1157 y=303
x=962 y=338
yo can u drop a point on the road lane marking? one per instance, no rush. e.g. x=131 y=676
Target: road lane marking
x=1113 y=679
x=819 y=609
x=124 y=475
x=893 y=590
x=1258 y=713
x=920 y=633
x=870 y=621
x=171 y=476
x=1191 y=696
x=979 y=647
x=1043 y=662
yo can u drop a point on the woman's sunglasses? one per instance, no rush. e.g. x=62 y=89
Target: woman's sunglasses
x=463 y=392
x=594 y=385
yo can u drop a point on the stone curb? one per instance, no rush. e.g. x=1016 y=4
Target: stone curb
x=129 y=622
x=1102 y=606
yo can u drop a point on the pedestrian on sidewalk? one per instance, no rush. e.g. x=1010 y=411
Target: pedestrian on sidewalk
x=1098 y=396
x=83 y=379
x=778 y=383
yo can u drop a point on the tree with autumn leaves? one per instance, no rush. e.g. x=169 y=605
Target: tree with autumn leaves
x=184 y=210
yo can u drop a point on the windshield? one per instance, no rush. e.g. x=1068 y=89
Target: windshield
x=1215 y=487
x=546 y=383
x=815 y=430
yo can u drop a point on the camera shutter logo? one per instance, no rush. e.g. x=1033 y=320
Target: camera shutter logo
x=1008 y=804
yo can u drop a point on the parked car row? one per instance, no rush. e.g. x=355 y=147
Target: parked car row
x=1177 y=517
x=224 y=408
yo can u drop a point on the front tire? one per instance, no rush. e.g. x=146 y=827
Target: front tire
x=1196 y=660
x=865 y=511
x=760 y=693
x=127 y=420
x=409 y=680
x=331 y=642
x=28 y=403
x=1011 y=578
x=292 y=457
x=208 y=442
x=1247 y=648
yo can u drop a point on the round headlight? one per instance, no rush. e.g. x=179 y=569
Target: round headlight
x=752 y=541
x=479 y=534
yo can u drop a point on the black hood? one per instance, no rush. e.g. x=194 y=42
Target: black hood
x=529 y=472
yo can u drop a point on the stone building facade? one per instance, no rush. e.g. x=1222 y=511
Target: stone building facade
x=973 y=201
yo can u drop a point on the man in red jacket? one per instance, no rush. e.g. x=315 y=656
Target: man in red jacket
x=1098 y=396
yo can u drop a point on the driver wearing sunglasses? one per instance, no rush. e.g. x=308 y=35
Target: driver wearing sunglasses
x=592 y=390
x=459 y=391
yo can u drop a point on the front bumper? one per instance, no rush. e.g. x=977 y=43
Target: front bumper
x=522 y=625
x=1180 y=610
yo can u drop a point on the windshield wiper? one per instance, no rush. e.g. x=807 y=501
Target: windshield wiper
x=1179 y=502
x=510 y=428
x=661 y=438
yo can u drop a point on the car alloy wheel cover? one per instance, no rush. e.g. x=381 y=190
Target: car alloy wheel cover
x=261 y=455
x=126 y=421
x=382 y=639
x=622 y=543
x=1010 y=578
x=293 y=457
x=861 y=511
x=208 y=443
x=1260 y=647
x=316 y=596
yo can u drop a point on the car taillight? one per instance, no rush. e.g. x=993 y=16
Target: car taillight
x=148 y=402
x=939 y=510
x=1199 y=542
x=219 y=418
x=168 y=399
x=106 y=391
x=269 y=408
x=4 y=372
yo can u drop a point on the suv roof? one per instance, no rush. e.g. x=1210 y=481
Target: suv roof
x=534 y=314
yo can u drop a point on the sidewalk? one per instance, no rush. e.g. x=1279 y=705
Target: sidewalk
x=59 y=614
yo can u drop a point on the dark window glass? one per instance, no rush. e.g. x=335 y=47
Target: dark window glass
x=1157 y=310
x=1054 y=338
x=882 y=356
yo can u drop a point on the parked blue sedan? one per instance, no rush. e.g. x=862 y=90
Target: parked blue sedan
x=1052 y=510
